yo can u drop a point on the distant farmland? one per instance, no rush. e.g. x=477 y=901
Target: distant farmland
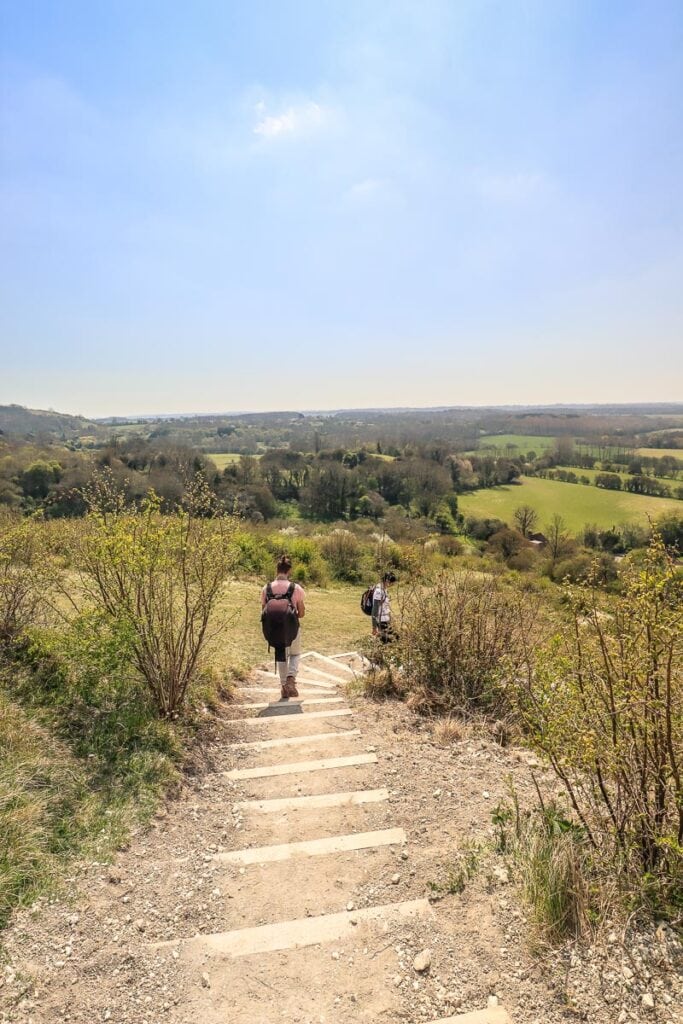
x=223 y=459
x=578 y=504
x=523 y=442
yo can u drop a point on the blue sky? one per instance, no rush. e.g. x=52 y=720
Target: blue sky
x=262 y=205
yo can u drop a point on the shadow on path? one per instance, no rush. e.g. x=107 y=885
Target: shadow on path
x=281 y=710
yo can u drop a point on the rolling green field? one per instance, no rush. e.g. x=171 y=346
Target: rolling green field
x=576 y=503
x=525 y=442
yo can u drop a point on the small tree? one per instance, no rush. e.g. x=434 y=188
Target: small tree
x=605 y=704
x=160 y=575
x=526 y=519
x=27 y=574
x=558 y=537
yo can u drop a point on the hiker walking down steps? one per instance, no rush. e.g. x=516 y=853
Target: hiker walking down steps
x=282 y=608
x=381 y=608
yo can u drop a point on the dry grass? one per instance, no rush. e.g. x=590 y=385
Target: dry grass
x=40 y=786
x=451 y=730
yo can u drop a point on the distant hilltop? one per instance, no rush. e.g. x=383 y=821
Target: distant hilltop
x=17 y=420
x=49 y=425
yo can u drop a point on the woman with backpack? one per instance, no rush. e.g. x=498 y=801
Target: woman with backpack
x=282 y=608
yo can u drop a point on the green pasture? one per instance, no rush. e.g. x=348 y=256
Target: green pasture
x=524 y=442
x=576 y=503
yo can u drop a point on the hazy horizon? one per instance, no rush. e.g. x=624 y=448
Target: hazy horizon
x=273 y=205
x=486 y=406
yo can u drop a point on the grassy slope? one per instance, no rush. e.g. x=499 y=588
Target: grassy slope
x=576 y=503
x=333 y=623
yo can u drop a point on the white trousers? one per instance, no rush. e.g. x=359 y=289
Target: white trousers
x=290 y=666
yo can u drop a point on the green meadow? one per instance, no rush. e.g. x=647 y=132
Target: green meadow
x=524 y=442
x=578 y=504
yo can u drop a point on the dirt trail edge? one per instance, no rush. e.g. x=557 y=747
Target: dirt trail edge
x=334 y=865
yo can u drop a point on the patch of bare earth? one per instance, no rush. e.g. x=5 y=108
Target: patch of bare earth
x=94 y=956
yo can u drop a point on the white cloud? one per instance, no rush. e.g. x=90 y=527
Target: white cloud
x=295 y=120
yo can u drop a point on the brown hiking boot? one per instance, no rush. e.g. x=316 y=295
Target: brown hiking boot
x=291 y=687
x=284 y=691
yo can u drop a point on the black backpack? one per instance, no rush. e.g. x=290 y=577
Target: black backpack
x=279 y=621
x=366 y=601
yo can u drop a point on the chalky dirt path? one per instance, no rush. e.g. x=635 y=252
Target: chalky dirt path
x=307 y=875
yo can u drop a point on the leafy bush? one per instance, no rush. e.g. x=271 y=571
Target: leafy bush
x=460 y=637
x=308 y=564
x=482 y=529
x=583 y=565
x=252 y=555
x=26 y=576
x=343 y=553
x=605 y=704
x=158 y=578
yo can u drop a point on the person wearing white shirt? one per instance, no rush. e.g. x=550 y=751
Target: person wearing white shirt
x=381 y=608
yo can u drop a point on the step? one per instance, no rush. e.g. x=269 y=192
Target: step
x=331 y=661
x=307 y=931
x=291 y=703
x=493 y=1014
x=314 y=670
x=275 y=692
x=314 y=847
x=286 y=741
x=267 y=719
x=354 y=655
x=295 y=803
x=299 y=767
x=275 y=680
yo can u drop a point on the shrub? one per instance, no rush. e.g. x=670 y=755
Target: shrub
x=459 y=638
x=482 y=529
x=450 y=546
x=342 y=551
x=601 y=569
x=605 y=704
x=524 y=560
x=26 y=576
x=158 y=577
x=308 y=563
x=251 y=554
x=507 y=543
